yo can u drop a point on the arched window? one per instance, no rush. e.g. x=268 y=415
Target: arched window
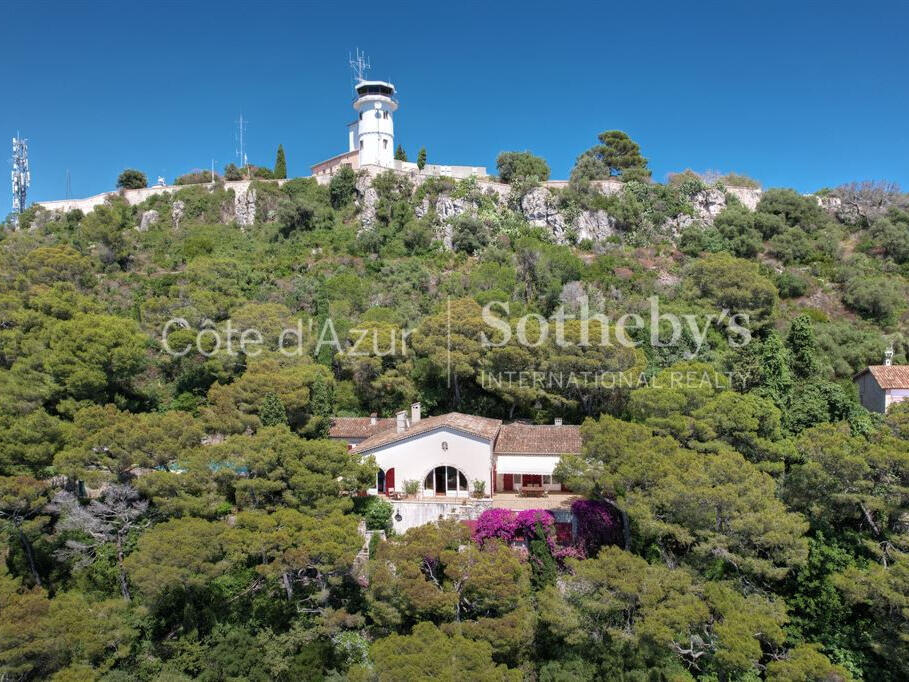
x=444 y=480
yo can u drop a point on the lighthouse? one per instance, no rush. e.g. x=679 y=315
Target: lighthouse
x=372 y=133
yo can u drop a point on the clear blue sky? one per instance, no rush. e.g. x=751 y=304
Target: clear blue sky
x=804 y=96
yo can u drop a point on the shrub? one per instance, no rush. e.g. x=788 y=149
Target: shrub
x=876 y=298
x=232 y=173
x=343 y=187
x=479 y=488
x=793 y=246
x=516 y=165
x=468 y=234
x=374 y=541
x=739 y=180
x=411 y=487
x=791 y=284
x=377 y=513
x=132 y=179
x=197 y=177
x=792 y=207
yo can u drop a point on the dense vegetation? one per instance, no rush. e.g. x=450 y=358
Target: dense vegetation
x=767 y=509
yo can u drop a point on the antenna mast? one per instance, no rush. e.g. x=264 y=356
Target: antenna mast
x=359 y=64
x=21 y=177
x=241 y=134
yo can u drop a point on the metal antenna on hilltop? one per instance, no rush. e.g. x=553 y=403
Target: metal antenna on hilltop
x=359 y=65
x=21 y=177
x=69 y=185
x=241 y=135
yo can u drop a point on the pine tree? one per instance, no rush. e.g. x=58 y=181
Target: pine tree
x=400 y=154
x=280 y=164
x=421 y=158
x=272 y=411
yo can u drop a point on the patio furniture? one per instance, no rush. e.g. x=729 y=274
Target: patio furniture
x=533 y=491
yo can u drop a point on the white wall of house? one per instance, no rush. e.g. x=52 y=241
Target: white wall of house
x=896 y=395
x=414 y=457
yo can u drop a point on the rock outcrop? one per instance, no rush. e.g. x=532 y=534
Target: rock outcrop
x=176 y=212
x=367 y=198
x=708 y=204
x=148 y=219
x=594 y=225
x=245 y=207
x=539 y=209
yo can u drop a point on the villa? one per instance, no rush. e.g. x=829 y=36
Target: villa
x=457 y=455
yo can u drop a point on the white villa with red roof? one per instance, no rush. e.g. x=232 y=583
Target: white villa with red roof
x=452 y=455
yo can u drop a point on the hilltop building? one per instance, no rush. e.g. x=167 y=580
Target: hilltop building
x=371 y=137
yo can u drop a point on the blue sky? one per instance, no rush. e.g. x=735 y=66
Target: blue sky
x=801 y=95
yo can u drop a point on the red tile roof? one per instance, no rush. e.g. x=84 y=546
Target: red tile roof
x=358 y=427
x=888 y=376
x=533 y=439
x=478 y=426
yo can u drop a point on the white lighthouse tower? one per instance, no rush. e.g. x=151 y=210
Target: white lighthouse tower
x=372 y=134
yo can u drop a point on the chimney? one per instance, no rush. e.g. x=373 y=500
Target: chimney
x=415 y=413
x=401 y=421
x=558 y=421
x=373 y=419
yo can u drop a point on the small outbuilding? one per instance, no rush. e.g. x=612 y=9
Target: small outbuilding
x=880 y=386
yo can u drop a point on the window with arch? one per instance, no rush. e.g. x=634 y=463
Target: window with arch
x=443 y=480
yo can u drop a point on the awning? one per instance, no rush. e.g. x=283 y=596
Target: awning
x=526 y=464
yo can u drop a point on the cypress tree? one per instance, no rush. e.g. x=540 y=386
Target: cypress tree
x=400 y=154
x=280 y=164
x=803 y=347
x=421 y=158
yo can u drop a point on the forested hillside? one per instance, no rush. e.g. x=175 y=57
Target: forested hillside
x=169 y=516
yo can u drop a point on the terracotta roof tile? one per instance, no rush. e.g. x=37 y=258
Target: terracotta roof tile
x=888 y=376
x=478 y=426
x=358 y=427
x=532 y=439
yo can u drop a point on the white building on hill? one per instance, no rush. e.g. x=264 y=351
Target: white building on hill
x=371 y=138
x=446 y=454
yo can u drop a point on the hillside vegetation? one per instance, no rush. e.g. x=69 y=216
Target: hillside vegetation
x=768 y=510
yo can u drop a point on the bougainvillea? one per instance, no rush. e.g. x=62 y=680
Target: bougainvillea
x=597 y=525
x=496 y=523
x=529 y=518
x=509 y=527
